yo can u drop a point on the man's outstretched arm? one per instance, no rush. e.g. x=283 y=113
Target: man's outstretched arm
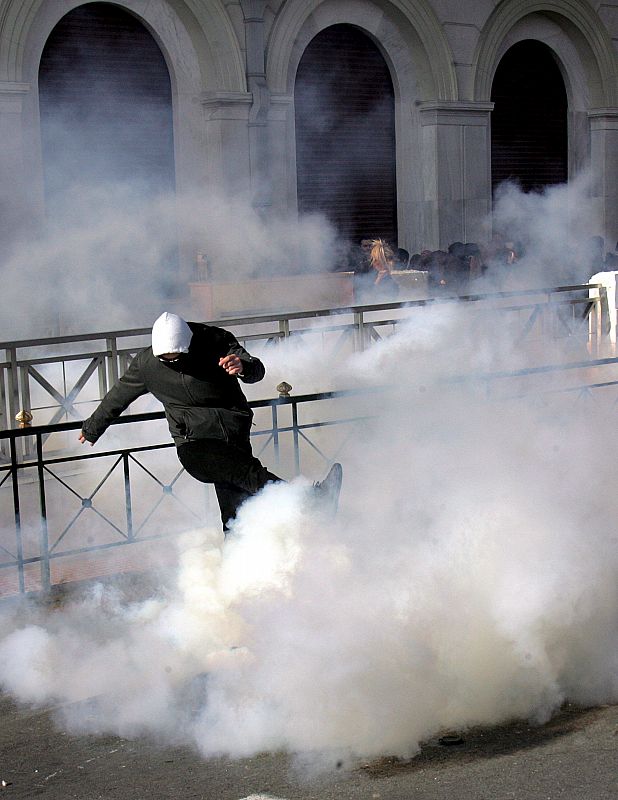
x=120 y=396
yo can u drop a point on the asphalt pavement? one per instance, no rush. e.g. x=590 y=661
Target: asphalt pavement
x=572 y=757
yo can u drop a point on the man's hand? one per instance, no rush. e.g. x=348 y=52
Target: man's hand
x=83 y=439
x=231 y=364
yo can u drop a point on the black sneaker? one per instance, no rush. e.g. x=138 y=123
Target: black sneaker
x=327 y=491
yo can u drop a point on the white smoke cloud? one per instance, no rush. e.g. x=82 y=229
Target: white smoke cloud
x=469 y=577
x=125 y=255
x=551 y=230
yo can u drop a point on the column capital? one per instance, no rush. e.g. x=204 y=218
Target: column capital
x=253 y=10
x=227 y=105
x=280 y=105
x=454 y=112
x=282 y=99
x=12 y=88
x=603 y=118
x=12 y=95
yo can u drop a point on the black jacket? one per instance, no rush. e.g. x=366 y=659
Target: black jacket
x=200 y=399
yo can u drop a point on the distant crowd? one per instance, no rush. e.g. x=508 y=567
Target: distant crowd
x=457 y=269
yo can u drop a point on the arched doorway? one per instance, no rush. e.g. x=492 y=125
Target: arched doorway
x=529 y=138
x=106 y=108
x=345 y=134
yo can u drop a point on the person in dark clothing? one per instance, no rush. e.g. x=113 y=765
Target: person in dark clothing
x=362 y=269
x=435 y=264
x=448 y=272
x=457 y=249
x=402 y=259
x=193 y=370
x=474 y=258
x=416 y=261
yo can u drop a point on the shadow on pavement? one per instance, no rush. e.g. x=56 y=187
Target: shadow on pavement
x=481 y=743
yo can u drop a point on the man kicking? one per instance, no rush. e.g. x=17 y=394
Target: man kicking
x=193 y=370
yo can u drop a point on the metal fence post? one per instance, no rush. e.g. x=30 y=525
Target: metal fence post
x=127 y=495
x=296 y=438
x=14 y=405
x=4 y=418
x=359 y=327
x=112 y=360
x=17 y=513
x=26 y=404
x=603 y=317
x=44 y=532
x=102 y=373
x=13 y=384
x=275 y=424
x=284 y=328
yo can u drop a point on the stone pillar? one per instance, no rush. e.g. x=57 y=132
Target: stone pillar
x=456 y=171
x=20 y=184
x=227 y=152
x=282 y=148
x=226 y=115
x=604 y=165
x=261 y=188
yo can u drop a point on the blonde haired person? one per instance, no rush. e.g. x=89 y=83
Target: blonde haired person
x=374 y=283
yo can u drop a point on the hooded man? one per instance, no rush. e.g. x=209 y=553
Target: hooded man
x=193 y=370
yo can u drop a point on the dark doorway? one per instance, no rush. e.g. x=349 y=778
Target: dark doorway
x=529 y=139
x=106 y=108
x=345 y=134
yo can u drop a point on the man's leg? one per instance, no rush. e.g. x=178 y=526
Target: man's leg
x=236 y=473
x=230 y=499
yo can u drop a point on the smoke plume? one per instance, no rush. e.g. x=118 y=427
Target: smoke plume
x=551 y=232
x=471 y=573
x=126 y=257
x=470 y=577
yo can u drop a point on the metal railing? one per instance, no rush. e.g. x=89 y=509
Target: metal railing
x=34 y=475
x=53 y=377
x=32 y=542
x=28 y=483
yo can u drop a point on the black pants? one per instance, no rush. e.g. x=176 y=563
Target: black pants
x=233 y=469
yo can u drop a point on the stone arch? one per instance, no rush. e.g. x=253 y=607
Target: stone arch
x=584 y=49
x=345 y=134
x=203 y=55
x=105 y=104
x=407 y=32
x=529 y=121
x=197 y=40
x=412 y=42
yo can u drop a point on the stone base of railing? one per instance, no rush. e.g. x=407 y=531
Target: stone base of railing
x=285 y=294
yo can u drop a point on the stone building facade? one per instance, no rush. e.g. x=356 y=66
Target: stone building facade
x=233 y=70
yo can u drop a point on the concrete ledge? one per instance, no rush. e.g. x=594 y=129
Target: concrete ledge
x=216 y=300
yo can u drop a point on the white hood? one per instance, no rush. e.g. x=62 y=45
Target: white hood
x=170 y=334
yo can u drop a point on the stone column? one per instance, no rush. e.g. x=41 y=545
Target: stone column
x=226 y=115
x=282 y=148
x=20 y=181
x=261 y=188
x=456 y=162
x=227 y=153
x=604 y=165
